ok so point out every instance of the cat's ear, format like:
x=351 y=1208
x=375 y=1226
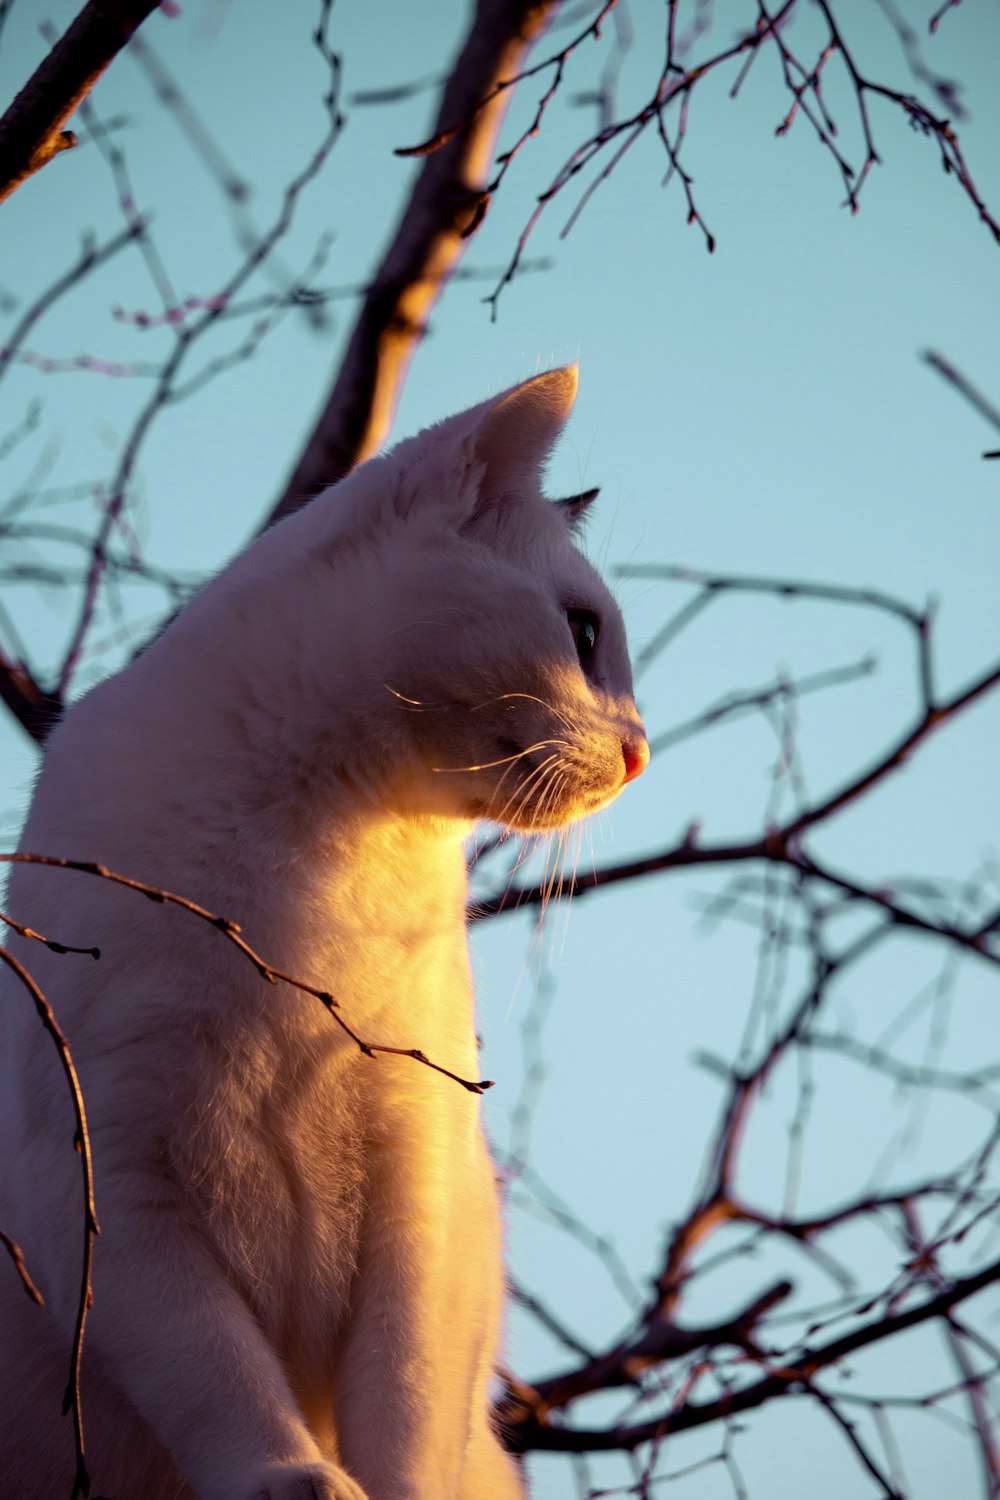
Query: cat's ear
x=574 y=508
x=466 y=467
x=516 y=432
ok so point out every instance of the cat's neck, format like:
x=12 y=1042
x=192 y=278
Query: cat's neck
x=376 y=904
x=326 y=883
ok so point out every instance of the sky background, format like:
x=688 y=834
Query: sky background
x=761 y=410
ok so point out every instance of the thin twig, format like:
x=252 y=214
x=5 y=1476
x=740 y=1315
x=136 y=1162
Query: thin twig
x=232 y=931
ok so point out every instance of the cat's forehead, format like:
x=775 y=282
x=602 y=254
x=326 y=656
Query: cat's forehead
x=524 y=527
x=535 y=535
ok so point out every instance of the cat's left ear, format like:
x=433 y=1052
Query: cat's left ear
x=517 y=431
x=574 y=508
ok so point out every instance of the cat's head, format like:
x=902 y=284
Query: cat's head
x=499 y=653
x=427 y=636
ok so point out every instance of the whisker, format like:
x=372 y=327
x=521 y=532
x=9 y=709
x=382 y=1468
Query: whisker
x=544 y=886
x=504 y=759
x=571 y=882
x=528 y=844
x=551 y=873
x=430 y=619
x=416 y=703
x=548 y=796
x=560 y=843
x=530 y=698
x=536 y=775
x=559 y=868
x=554 y=784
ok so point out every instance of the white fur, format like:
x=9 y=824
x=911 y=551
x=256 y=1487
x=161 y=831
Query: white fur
x=298 y=1285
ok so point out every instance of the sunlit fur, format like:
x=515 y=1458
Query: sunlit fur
x=298 y=1286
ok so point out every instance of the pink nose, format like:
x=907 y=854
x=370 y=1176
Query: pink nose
x=636 y=756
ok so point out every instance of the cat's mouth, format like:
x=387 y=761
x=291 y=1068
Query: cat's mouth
x=544 y=788
x=546 y=772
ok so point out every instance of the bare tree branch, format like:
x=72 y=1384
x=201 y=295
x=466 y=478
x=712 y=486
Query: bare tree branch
x=430 y=237
x=91 y=1228
x=526 y=1431
x=965 y=388
x=35 y=709
x=31 y=131
x=693 y=1352
x=232 y=931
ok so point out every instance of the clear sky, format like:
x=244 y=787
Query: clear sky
x=762 y=410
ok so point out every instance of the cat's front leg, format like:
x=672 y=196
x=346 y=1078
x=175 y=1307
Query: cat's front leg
x=173 y=1335
x=490 y=1473
x=303 y=1482
x=410 y=1397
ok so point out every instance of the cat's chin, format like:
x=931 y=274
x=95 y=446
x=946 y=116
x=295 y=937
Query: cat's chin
x=548 y=818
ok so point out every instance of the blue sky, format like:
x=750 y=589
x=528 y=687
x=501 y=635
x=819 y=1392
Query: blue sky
x=761 y=410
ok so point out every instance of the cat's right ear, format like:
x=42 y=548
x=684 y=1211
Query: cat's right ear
x=463 y=467
x=517 y=430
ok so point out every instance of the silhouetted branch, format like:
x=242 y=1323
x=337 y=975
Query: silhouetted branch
x=528 y=1430
x=31 y=131
x=231 y=930
x=966 y=389
x=91 y=256
x=91 y=1228
x=675 y=85
x=14 y=1251
x=672 y=1368
x=38 y=708
x=941 y=11
x=35 y=709
x=427 y=243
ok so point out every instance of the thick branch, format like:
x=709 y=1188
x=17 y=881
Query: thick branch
x=31 y=131
x=33 y=708
x=429 y=240
x=656 y=1341
x=524 y=1433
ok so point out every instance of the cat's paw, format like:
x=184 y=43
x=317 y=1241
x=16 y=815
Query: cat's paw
x=303 y=1482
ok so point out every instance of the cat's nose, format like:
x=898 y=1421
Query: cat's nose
x=635 y=753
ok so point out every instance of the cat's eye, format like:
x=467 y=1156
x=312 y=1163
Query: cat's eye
x=583 y=629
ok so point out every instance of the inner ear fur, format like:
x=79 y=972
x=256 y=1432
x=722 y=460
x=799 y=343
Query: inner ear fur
x=519 y=429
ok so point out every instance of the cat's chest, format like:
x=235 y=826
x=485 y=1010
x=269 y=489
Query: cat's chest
x=292 y=1149
x=269 y=1158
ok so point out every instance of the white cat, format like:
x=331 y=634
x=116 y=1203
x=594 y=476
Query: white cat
x=298 y=1284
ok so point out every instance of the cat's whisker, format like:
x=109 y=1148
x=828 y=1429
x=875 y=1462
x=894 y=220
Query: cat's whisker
x=521 y=795
x=559 y=865
x=537 y=775
x=580 y=828
x=562 y=855
x=555 y=780
x=526 y=847
x=556 y=879
x=548 y=882
x=431 y=618
x=529 y=845
x=530 y=698
x=551 y=871
x=543 y=887
x=547 y=797
x=486 y=765
x=415 y=703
